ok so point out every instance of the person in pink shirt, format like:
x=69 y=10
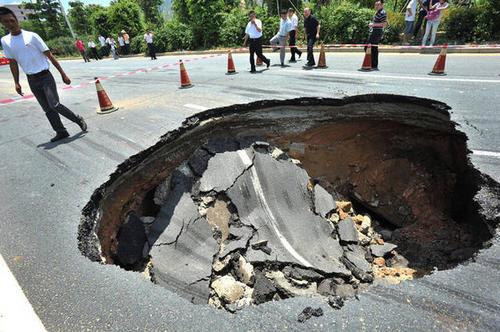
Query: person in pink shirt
x=81 y=49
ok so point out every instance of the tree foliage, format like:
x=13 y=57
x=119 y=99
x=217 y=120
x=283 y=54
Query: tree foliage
x=47 y=18
x=151 y=9
x=79 y=17
x=126 y=15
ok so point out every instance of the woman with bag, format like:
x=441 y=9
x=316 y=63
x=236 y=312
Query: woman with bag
x=433 y=19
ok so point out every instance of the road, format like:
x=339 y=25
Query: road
x=43 y=188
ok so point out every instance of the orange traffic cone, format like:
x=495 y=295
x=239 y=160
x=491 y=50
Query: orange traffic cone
x=230 y=65
x=322 y=58
x=259 y=62
x=367 y=62
x=185 y=82
x=105 y=104
x=438 y=68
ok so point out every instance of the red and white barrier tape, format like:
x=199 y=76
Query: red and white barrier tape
x=393 y=47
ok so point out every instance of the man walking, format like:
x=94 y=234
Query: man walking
x=121 y=43
x=93 y=49
x=312 y=28
x=81 y=49
x=148 y=37
x=29 y=51
x=103 y=43
x=377 y=31
x=294 y=20
x=253 y=34
x=282 y=35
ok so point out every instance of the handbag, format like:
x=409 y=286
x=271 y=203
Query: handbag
x=432 y=15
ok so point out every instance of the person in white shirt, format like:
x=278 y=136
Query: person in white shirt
x=28 y=50
x=93 y=50
x=121 y=42
x=411 y=10
x=293 y=35
x=148 y=37
x=282 y=35
x=253 y=33
x=433 y=19
x=104 y=45
x=112 y=46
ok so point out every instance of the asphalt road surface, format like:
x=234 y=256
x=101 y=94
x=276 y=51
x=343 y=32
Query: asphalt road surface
x=43 y=187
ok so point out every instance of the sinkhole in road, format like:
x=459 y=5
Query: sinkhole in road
x=307 y=197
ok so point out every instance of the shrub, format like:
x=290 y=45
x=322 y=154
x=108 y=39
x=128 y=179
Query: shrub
x=178 y=36
x=233 y=26
x=62 y=46
x=345 y=23
x=459 y=24
x=138 y=45
x=396 y=25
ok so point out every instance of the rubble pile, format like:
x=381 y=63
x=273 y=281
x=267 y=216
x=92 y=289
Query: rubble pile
x=242 y=223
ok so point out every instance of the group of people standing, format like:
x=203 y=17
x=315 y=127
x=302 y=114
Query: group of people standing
x=116 y=48
x=430 y=11
x=287 y=31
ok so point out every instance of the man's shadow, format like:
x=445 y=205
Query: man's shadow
x=50 y=145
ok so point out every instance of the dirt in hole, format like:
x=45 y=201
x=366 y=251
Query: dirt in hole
x=323 y=210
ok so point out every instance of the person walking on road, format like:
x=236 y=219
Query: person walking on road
x=93 y=50
x=28 y=50
x=294 y=20
x=377 y=31
x=311 y=29
x=148 y=37
x=411 y=11
x=126 y=39
x=433 y=20
x=253 y=35
x=81 y=49
x=281 y=36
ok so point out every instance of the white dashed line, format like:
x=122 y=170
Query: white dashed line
x=486 y=153
x=196 y=107
x=397 y=77
x=16 y=313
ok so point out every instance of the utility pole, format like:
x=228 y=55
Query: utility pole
x=66 y=19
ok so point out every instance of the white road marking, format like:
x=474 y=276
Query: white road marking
x=16 y=313
x=398 y=77
x=272 y=220
x=486 y=153
x=196 y=107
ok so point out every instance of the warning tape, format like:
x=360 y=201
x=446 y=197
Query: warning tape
x=392 y=47
x=17 y=99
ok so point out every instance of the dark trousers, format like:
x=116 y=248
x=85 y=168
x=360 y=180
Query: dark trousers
x=45 y=91
x=256 y=49
x=418 y=25
x=84 y=56
x=152 y=51
x=94 y=53
x=310 y=47
x=293 y=50
x=374 y=39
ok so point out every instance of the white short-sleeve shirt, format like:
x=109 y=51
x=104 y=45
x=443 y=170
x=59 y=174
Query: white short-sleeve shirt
x=121 y=42
x=27 y=49
x=295 y=22
x=412 y=5
x=252 y=31
x=148 y=37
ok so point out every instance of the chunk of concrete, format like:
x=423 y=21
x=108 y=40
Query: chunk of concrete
x=224 y=168
x=199 y=161
x=323 y=201
x=218 y=217
x=239 y=240
x=228 y=289
x=263 y=289
x=382 y=250
x=347 y=231
x=272 y=196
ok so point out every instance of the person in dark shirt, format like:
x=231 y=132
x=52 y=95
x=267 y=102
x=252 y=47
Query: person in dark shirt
x=424 y=7
x=377 y=31
x=311 y=27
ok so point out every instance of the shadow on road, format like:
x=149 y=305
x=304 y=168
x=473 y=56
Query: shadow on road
x=50 y=145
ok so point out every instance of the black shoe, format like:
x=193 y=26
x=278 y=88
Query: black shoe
x=59 y=136
x=253 y=71
x=292 y=61
x=268 y=63
x=81 y=122
x=300 y=54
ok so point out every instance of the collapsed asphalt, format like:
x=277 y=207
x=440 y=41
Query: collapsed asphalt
x=69 y=292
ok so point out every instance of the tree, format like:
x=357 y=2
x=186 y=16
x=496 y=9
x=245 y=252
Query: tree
x=126 y=15
x=100 y=21
x=151 y=9
x=47 y=18
x=79 y=17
